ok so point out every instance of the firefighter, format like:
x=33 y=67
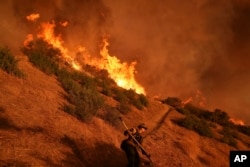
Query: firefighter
x=131 y=147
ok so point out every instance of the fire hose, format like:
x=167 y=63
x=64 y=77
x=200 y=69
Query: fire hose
x=137 y=142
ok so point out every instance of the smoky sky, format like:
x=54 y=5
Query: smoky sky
x=185 y=46
x=180 y=46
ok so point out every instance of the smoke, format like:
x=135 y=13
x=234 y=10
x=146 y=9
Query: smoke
x=185 y=46
x=180 y=46
x=11 y=31
x=87 y=20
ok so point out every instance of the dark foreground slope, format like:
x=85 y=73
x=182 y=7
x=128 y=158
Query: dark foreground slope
x=34 y=130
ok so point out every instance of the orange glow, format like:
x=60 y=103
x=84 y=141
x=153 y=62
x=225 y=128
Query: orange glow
x=28 y=39
x=187 y=101
x=33 y=17
x=201 y=99
x=64 y=23
x=197 y=99
x=237 y=121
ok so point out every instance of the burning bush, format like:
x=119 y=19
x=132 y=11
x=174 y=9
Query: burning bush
x=8 y=63
x=109 y=88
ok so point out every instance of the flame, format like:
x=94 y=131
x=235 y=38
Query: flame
x=201 y=99
x=187 y=101
x=197 y=99
x=64 y=23
x=28 y=39
x=33 y=16
x=48 y=35
x=122 y=73
x=237 y=121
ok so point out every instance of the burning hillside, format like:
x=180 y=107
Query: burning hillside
x=121 y=72
x=179 y=48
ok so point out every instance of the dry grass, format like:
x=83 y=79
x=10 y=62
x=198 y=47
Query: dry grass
x=34 y=131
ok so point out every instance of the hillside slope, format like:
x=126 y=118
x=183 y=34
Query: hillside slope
x=34 y=131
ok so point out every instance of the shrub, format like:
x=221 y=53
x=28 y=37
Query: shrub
x=81 y=90
x=86 y=100
x=123 y=107
x=9 y=64
x=130 y=97
x=106 y=90
x=111 y=115
x=67 y=81
x=244 y=129
x=199 y=112
x=84 y=80
x=143 y=100
x=69 y=108
x=130 y=94
x=182 y=110
x=221 y=117
x=84 y=104
x=229 y=136
x=120 y=96
x=43 y=56
x=172 y=101
x=198 y=125
x=137 y=104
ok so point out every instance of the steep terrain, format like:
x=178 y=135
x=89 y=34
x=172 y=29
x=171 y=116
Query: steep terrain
x=34 y=130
